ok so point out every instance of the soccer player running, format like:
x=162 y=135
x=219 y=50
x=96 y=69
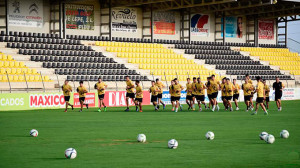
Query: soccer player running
x=177 y=88
x=200 y=93
x=247 y=89
x=215 y=88
x=194 y=92
x=172 y=93
x=101 y=86
x=138 y=96
x=236 y=94
x=252 y=92
x=223 y=93
x=154 y=92
x=160 y=86
x=229 y=92
x=81 y=90
x=278 y=87
x=208 y=88
x=189 y=90
x=267 y=93
x=129 y=91
x=67 y=89
x=260 y=96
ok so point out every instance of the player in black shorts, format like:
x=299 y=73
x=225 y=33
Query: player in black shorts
x=154 y=92
x=278 y=87
x=189 y=97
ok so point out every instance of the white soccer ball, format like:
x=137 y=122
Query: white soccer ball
x=284 y=134
x=270 y=139
x=172 y=144
x=210 y=135
x=34 y=133
x=141 y=138
x=263 y=135
x=70 y=153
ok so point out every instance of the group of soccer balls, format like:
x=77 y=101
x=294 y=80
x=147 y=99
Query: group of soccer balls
x=269 y=138
x=71 y=153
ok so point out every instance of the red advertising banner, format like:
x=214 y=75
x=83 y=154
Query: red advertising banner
x=46 y=100
x=118 y=98
x=89 y=99
x=266 y=29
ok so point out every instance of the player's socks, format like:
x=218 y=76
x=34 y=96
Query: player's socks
x=266 y=113
x=237 y=108
x=205 y=106
x=136 y=108
x=213 y=108
x=180 y=107
x=200 y=109
x=231 y=109
x=87 y=106
x=176 y=109
x=218 y=108
x=80 y=110
x=157 y=106
x=72 y=107
x=164 y=105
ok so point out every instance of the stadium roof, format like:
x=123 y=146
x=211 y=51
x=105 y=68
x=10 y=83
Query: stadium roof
x=251 y=8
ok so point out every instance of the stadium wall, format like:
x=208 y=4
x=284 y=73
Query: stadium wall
x=30 y=101
x=99 y=18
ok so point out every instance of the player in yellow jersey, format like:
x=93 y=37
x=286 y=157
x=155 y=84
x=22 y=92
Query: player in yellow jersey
x=81 y=90
x=208 y=88
x=129 y=91
x=236 y=94
x=100 y=87
x=160 y=86
x=194 y=92
x=200 y=93
x=215 y=89
x=189 y=97
x=229 y=92
x=154 y=90
x=260 y=90
x=67 y=89
x=247 y=89
x=172 y=93
x=267 y=93
x=138 y=96
x=177 y=88
x=223 y=93
x=252 y=92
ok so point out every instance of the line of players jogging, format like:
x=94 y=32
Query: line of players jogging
x=195 y=93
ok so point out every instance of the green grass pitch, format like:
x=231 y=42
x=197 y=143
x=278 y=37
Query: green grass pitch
x=108 y=139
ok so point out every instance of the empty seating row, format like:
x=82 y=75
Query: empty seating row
x=232 y=62
x=49 y=46
x=83 y=65
x=39 y=40
x=252 y=72
x=267 y=77
x=222 y=57
x=272 y=46
x=29 y=34
x=14 y=71
x=26 y=78
x=106 y=78
x=243 y=67
x=12 y=64
x=128 y=45
x=61 y=52
x=204 y=47
x=216 y=52
x=150 y=55
x=95 y=72
x=71 y=59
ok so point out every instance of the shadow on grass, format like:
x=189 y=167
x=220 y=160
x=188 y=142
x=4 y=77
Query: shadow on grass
x=60 y=158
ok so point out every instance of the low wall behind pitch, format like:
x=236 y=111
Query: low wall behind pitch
x=30 y=101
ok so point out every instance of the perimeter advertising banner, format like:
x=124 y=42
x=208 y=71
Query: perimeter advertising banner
x=25 y=13
x=29 y=101
x=79 y=17
x=124 y=20
x=200 y=25
x=164 y=23
x=266 y=29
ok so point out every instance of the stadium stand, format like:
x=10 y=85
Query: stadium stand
x=283 y=58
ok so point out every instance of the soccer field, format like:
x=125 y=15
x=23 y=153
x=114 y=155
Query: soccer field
x=108 y=139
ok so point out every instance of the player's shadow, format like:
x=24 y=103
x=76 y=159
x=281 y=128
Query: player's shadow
x=58 y=158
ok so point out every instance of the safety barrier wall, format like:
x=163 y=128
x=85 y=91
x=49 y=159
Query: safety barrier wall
x=28 y=101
